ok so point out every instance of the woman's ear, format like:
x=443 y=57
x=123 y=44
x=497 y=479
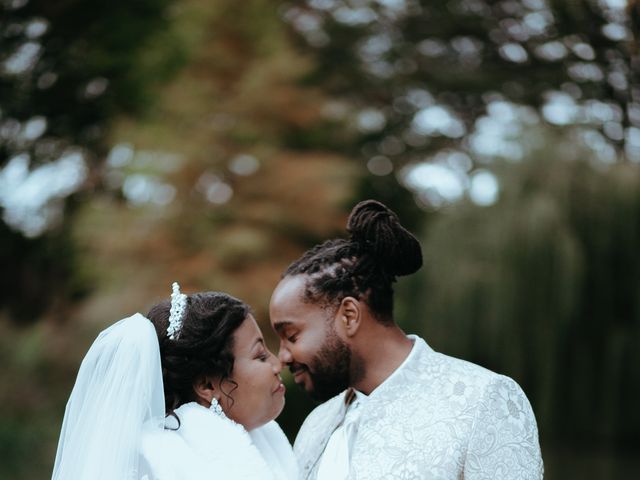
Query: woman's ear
x=204 y=389
x=349 y=316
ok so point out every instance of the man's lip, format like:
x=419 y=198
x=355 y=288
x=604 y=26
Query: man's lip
x=297 y=375
x=295 y=370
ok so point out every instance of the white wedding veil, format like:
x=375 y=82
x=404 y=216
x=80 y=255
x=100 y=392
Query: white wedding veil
x=117 y=396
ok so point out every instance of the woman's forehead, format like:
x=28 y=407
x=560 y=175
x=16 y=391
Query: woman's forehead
x=247 y=334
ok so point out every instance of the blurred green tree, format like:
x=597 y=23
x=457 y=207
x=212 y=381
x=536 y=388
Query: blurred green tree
x=544 y=286
x=67 y=69
x=419 y=73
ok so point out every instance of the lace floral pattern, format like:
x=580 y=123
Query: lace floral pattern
x=436 y=417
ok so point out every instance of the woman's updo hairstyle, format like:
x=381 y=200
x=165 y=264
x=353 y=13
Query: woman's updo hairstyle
x=203 y=346
x=364 y=266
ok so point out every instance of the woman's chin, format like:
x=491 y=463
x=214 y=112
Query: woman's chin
x=275 y=413
x=279 y=409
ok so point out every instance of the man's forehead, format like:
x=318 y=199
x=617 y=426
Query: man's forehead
x=282 y=325
x=289 y=293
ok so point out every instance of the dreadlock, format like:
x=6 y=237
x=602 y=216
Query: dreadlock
x=363 y=266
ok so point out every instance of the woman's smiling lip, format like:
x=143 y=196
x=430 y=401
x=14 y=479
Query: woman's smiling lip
x=280 y=388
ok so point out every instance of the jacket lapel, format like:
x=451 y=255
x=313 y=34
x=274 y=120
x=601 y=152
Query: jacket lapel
x=334 y=417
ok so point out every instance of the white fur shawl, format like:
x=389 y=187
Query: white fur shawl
x=209 y=447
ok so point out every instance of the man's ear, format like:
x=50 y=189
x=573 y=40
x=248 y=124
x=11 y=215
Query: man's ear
x=349 y=316
x=204 y=389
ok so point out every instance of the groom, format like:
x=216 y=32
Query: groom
x=393 y=407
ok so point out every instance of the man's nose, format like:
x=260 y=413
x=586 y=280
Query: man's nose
x=284 y=355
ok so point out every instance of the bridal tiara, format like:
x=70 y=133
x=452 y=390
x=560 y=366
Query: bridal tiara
x=176 y=314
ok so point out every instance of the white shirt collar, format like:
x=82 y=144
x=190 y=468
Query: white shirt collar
x=409 y=358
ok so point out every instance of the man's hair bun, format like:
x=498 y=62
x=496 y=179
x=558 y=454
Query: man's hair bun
x=378 y=232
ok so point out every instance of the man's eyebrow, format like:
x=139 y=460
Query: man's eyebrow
x=279 y=326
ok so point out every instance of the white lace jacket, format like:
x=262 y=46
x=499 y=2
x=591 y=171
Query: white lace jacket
x=209 y=447
x=436 y=417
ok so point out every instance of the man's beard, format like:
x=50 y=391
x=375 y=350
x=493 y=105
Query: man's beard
x=331 y=369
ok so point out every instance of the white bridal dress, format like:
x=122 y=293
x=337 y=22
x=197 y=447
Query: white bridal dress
x=114 y=425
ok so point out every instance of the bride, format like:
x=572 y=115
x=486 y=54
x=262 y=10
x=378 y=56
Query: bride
x=190 y=392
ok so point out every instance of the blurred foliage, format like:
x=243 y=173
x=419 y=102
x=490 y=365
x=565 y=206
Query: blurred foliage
x=67 y=70
x=418 y=74
x=91 y=61
x=35 y=272
x=36 y=381
x=544 y=286
x=219 y=173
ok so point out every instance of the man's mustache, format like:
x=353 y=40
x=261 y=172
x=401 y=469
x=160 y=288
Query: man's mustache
x=296 y=367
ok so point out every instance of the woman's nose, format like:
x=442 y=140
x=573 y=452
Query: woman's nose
x=277 y=365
